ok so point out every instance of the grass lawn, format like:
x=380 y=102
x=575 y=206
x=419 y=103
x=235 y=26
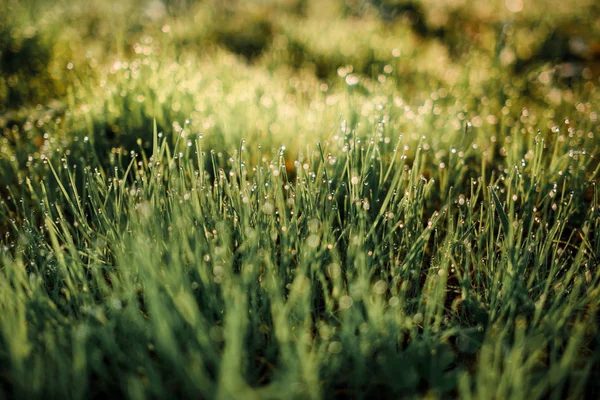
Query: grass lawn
x=299 y=199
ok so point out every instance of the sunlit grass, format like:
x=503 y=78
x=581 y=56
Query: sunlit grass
x=213 y=274
x=297 y=200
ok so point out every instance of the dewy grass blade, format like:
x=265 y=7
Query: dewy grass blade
x=501 y=213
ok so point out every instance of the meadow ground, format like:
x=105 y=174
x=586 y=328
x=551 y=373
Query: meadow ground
x=285 y=199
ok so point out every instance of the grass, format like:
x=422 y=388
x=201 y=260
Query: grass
x=267 y=200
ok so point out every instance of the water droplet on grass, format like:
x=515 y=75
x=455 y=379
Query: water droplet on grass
x=346 y=302
x=418 y=318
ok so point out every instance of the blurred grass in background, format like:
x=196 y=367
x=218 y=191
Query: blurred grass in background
x=205 y=61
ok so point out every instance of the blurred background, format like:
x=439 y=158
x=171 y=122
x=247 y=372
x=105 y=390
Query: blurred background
x=102 y=71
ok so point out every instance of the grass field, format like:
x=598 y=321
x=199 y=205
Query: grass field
x=299 y=199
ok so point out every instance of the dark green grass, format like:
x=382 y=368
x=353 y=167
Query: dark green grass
x=358 y=278
x=350 y=207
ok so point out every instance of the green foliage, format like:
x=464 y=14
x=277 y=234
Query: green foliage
x=24 y=58
x=298 y=199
